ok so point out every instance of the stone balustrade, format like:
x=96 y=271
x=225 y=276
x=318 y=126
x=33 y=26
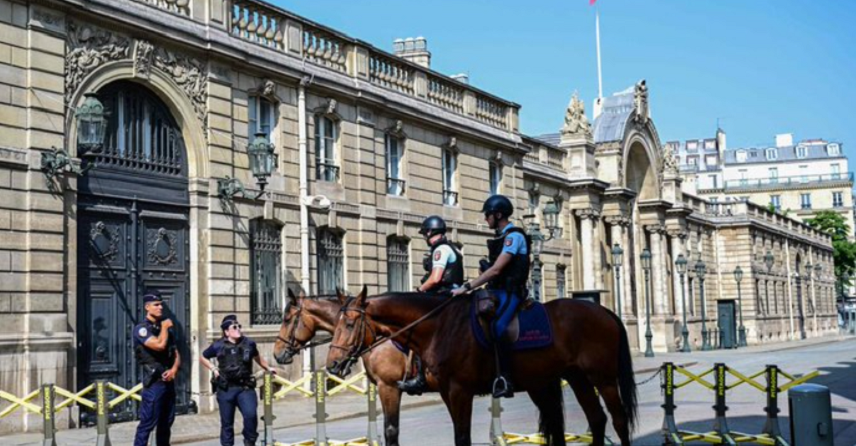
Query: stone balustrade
x=391 y=72
x=178 y=7
x=445 y=94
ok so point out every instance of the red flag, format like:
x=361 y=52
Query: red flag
x=592 y=2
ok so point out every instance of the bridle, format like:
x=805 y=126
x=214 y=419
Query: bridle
x=292 y=345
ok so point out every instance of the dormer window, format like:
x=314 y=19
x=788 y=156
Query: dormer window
x=802 y=151
x=741 y=156
x=772 y=154
x=692 y=145
x=833 y=150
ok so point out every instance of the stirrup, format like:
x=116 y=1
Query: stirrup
x=413 y=387
x=502 y=388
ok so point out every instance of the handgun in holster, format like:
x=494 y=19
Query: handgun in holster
x=151 y=374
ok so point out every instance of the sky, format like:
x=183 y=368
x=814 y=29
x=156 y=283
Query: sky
x=758 y=67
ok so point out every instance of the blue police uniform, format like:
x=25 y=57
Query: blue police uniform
x=236 y=387
x=510 y=287
x=157 y=408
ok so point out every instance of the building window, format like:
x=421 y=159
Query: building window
x=534 y=201
x=327 y=166
x=802 y=151
x=450 y=190
x=772 y=154
x=774 y=174
x=743 y=180
x=330 y=261
x=741 y=156
x=836 y=171
x=265 y=278
x=560 y=282
x=495 y=178
x=710 y=144
x=394 y=177
x=833 y=150
x=804 y=174
x=711 y=160
x=713 y=183
x=837 y=199
x=692 y=160
x=805 y=201
x=397 y=264
x=776 y=202
x=261 y=118
x=692 y=145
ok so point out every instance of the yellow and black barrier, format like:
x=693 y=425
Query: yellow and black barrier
x=721 y=433
x=320 y=392
x=49 y=407
x=498 y=436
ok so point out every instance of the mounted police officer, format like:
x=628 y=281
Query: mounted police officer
x=444 y=271
x=159 y=359
x=506 y=274
x=233 y=380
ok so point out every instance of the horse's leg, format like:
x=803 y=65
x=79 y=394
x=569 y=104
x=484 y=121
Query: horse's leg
x=610 y=395
x=584 y=391
x=390 y=400
x=551 y=413
x=459 y=401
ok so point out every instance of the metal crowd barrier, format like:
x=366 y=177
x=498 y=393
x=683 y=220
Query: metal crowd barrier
x=498 y=436
x=721 y=433
x=320 y=393
x=49 y=407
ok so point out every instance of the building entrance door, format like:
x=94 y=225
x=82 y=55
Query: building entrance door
x=727 y=323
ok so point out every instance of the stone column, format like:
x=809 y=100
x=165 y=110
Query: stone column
x=587 y=219
x=631 y=258
x=678 y=241
x=657 y=273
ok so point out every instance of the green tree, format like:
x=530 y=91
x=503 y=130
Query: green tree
x=844 y=251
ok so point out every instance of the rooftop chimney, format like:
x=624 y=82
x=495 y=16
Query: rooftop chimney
x=784 y=140
x=462 y=77
x=414 y=50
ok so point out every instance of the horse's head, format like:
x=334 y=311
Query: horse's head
x=353 y=333
x=294 y=332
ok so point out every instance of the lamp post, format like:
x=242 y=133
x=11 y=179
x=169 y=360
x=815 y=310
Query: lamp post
x=681 y=265
x=701 y=270
x=646 y=266
x=818 y=275
x=617 y=252
x=262 y=162
x=741 y=332
x=533 y=230
x=91 y=119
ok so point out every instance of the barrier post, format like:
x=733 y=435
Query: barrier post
x=771 y=426
x=48 y=398
x=267 y=403
x=720 y=388
x=372 y=436
x=101 y=414
x=320 y=408
x=671 y=435
x=497 y=435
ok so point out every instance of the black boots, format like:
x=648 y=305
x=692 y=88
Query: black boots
x=417 y=384
x=502 y=387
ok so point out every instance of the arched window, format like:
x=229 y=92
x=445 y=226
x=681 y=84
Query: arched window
x=331 y=261
x=397 y=264
x=265 y=277
x=326 y=153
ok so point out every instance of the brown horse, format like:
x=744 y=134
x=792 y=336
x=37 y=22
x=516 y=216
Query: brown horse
x=384 y=365
x=590 y=350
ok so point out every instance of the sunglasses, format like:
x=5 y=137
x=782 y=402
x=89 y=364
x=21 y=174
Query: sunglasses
x=236 y=327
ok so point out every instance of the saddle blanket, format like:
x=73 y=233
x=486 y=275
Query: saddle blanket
x=535 y=330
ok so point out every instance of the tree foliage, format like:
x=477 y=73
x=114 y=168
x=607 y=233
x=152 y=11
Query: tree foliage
x=844 y=254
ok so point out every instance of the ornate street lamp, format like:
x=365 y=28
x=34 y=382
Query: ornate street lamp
x=681 y=265
x=741 y=336
x=551 y=220
x=91 y=127
x=646 y=266
x=701 y=270
x=617 y=252
x=534 y=233
x=262 y=163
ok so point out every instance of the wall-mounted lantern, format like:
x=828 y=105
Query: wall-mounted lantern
x=262 y=162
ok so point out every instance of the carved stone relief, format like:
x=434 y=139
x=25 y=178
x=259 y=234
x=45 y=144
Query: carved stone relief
x=88 y=48
x=576 y=122
x=143 y=58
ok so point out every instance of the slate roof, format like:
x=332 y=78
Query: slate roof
x=611 y=123
x=816 y=150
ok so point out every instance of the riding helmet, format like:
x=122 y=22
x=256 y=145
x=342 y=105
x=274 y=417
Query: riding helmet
x=498 y=204
x=432 y=226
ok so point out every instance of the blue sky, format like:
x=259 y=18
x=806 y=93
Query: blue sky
x=762 y=66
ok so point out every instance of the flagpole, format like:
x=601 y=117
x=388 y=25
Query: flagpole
x=599 y=72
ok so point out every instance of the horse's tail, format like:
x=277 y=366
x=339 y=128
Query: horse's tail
x=626 y=377
x=551 y=421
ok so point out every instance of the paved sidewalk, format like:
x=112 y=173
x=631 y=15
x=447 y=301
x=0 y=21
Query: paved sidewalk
x=294 y=411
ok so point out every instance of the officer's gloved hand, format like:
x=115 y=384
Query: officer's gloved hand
x=484 y=265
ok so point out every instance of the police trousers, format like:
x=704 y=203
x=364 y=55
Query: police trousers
x=245 y=400
x=508 y=303
x=157 y=410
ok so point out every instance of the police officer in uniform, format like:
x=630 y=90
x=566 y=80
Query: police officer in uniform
x=444 y=271
x=234 y=381
x=506 y=274
x=159 y=359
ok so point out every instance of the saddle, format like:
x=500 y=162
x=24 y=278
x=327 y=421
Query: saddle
x=530 y=328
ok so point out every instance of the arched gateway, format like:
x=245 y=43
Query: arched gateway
x=132 y=237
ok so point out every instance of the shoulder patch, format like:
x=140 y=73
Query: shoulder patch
x=143 y=332
x=437 y=255
x=508 y=241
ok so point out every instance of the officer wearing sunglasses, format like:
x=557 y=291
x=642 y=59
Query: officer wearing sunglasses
x=233 y=380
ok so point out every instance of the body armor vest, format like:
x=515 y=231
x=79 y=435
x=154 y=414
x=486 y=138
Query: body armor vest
x=235 y=362
x=453 y=275
x=516 y=275
x=154 y=363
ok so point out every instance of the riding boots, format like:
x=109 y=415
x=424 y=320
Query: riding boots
x=502 y=387
x=417 y=384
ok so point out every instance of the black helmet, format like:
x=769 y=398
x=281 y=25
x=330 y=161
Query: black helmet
x=432 y=226
x=498 y=204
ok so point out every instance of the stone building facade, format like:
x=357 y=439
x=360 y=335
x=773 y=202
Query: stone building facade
x=368 y=144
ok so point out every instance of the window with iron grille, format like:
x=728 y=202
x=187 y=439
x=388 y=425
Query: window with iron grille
x=560 y=281
x=265 y=277
x=326 y=161
x=397 y=264
x=330 y=261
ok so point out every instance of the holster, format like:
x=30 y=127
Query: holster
x=218 y=383
x=151 y=374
